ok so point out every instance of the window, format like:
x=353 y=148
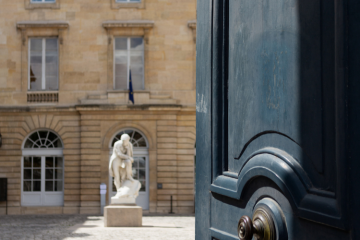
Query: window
x=140 y=166
x=42 y=170
x=129 y=55
x=43 y=64
x=42 y=1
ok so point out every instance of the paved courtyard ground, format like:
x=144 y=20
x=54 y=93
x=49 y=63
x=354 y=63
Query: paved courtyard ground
x=71 y=227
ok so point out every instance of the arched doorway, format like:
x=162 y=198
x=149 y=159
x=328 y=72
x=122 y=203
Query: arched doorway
x=42 y=170
x=140 y=165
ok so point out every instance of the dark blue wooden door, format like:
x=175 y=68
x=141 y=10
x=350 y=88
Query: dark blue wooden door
x=276 y=119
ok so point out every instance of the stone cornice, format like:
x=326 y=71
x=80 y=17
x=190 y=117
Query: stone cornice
x=128 y=24
x=42 y=24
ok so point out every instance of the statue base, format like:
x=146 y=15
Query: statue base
x=122 y=216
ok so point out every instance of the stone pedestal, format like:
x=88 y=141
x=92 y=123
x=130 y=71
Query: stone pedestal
x=122 y=216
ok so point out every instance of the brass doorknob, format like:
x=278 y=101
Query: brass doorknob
x=261 y=226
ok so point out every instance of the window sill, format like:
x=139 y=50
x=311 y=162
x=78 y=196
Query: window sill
x=117 y=5
x=30 y=5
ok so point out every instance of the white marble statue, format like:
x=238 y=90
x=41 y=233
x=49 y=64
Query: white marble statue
x=120 y=168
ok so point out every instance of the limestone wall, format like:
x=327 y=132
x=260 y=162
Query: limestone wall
x=84 y=52
x=87 y=133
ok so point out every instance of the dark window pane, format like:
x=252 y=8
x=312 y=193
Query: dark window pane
x=137 y=73
x=27 y=161
x=51 y=45
x=128 y=132
x=34 y=136
x=135 y=174
x=28 y=144
x=58 y=186
x=121 y=76
x=136 y=44
x=120 y=43
x=49 y=174
x=135 y=163
x=27 y=173
x=143 y=186
x=38 y=143
x=35 y=72
x=36 y=162
x=49 y=186
x=27 y=186
x=49 y=162
x=59 y=174
x=134 y=143
x=36 y=186
x=51 y=71
x=141 y=162
x=141 y=173
x=137 y=136
x=52 y=136
x=142 y=142
x=36 y=44
x=58 y=162
x=113 y=142
x=43 y=134
x=36 y=173
x=57 y=143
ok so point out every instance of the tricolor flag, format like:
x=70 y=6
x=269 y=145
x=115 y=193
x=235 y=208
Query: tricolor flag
x=131 y=92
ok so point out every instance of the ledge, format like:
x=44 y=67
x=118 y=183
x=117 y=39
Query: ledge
x=128 y=24
x=41 y=5
x=117 y=5
x=42 y=24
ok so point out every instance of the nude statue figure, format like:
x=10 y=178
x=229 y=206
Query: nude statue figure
x=121 y=160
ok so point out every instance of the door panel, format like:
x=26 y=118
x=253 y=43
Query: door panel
x=271 y=118
x=42 y=170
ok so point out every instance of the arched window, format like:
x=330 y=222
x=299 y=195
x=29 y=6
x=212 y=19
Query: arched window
x=42 y=170
x=140 y=165
x=43 y=139
x=136 y=138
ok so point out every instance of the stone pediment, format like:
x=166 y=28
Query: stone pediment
x=42 y=24
x=128 y=24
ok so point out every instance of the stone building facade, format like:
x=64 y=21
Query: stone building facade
x=64 y=79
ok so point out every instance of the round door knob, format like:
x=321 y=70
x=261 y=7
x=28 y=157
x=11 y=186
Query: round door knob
x=245 y=228
x=261 y=226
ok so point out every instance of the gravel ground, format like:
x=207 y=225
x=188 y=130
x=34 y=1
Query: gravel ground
x=71 y=227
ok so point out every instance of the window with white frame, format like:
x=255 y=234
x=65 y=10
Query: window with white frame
x=42 y=170
x=43 y=1
x=43 y=64
x=129 y=55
